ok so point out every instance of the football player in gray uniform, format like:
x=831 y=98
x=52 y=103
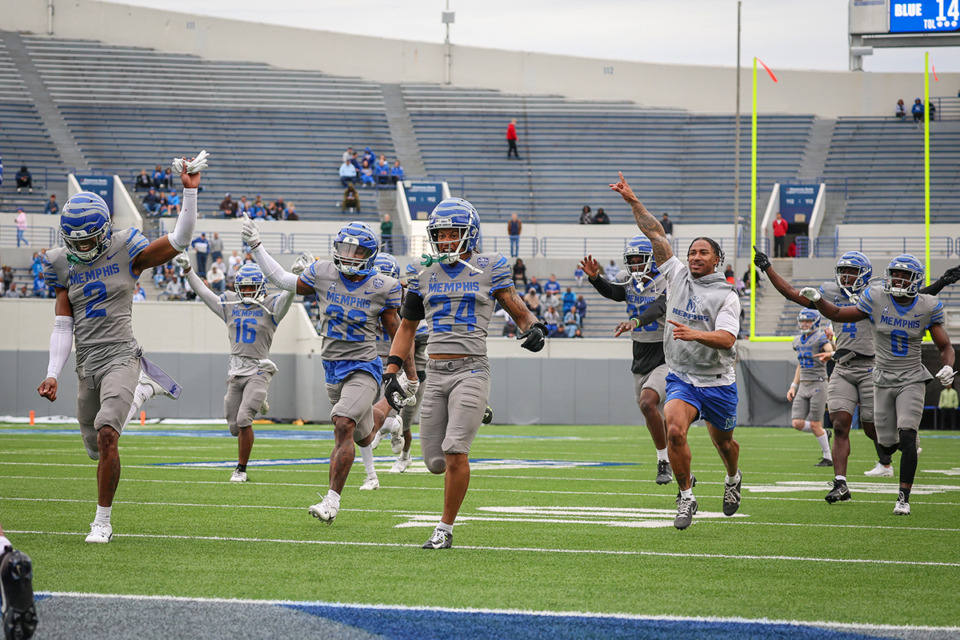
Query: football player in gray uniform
x=852 y=381
x=703 y=320
x=645 y=295
x=808 y=391
x=455 y=293
x=252 y=318
x=353 y=297
x=94 y=274
x=901 y=315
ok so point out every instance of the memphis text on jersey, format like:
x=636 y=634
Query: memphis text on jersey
x=111 y=269
x=352 y=301
x=450 y=287
x=903 y=323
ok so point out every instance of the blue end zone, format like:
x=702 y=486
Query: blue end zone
x=412 y=624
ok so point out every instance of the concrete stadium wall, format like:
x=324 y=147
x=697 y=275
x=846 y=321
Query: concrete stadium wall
x=697 y=88
x=569 y=382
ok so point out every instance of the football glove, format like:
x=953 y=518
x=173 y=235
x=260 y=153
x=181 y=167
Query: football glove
x=250 y=232
x=196 y=165
x=534 y=338
x=305 y=260
x=410 y=387
x=951 y=275
x=393 y=391
x=945 y=375
x=810 y=294
x=761 y=259
x=182 y=260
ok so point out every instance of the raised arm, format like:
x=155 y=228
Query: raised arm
x=274 y=273
x=609 y=290
x=832 y=311
x=949 y=277
x=779 y=282
x=165 y=248
x=209 y=298
x=649 y=225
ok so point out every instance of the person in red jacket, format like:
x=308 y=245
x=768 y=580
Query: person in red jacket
x=779 y=234
x=512 y=139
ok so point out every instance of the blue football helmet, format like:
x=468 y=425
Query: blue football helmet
x=387 y=265
x=355 y=248
x=908 y=287
x=250 y=284
x=808 y=315
x=454 y=213
x=861 y=279
x=638 y=258
x=85 y=226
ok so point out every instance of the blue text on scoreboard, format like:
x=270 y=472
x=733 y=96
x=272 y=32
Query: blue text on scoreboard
x=924 y=16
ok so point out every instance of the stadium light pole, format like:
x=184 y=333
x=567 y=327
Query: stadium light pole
x=448 y=18
x=926 y=164
x=736 y=162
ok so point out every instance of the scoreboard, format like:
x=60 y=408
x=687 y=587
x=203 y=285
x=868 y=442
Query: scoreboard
x=924 y=16
x=901 y=23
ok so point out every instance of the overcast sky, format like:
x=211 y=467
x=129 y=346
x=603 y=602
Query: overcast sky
x=786 y=34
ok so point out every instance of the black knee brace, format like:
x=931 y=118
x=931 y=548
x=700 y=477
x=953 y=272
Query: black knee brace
x=908 y=455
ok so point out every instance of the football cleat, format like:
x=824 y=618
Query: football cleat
x=100 y=533
x=880 y=471
x=685 y=512
x=664 y=472
x=839 y=493
x=439 y=540
x=902 y=508
x=824 y=462
x=487 y=416
x=157 y=389
x=401 y=463
x=370 y=484
x=238 y=476
x=731 y=496
x=264 y=408
x=396 y=437
x=324 y=511
x=693 y=483
x=16 y=596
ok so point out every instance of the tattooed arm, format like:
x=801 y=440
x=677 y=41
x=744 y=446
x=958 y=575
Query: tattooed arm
x=649 y=225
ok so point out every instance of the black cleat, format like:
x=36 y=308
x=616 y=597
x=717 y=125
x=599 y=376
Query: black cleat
x=693 y=483
x=839 y=493
x=439 y=540
x=685 y=512
x=664 y=472
x=731 y=496
x=16 y=596
x=824 y=462
x=487 y=416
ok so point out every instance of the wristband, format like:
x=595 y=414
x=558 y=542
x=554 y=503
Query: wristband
x=636 y=322
x=397 y=360
x=793 y=385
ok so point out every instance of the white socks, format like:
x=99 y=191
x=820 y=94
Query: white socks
x=103 y=515
x=366 y=454
x=142 y=393
x=732 y=480
x=662 y=455
x=390 y=424
x=443 y=526
x=404 y=455
x=334 y=498
x=686 y=494
x=825 y=445
x=842 y=478
x=5 y=545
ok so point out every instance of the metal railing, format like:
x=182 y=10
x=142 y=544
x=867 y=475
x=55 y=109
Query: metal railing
x=916 y=245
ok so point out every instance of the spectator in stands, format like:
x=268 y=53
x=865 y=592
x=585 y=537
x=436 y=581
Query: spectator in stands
x=586 y=216
x=514 y=227
x=581 y=309
x=291 y=212
x=552 y=286
x=512 y=139
x=386 y=233
x=779 y=236
x=356 y=161
x=611 y=271
x=369 y=157
x=39 y=286
x=139 y=295
x=519 y=274
x=578 y=275
x=216 y=247
x=933 y=110
x=228 y=207
x=601 y=217
x=396 y=172
x=667 y=225
x=552 y=319
x=13 y=292
x=281 y=208
x=351 y=199
x=53 y=207
x=917 y=110
x=948 y=408
x=382 y=170
x=536 y=286
x=24 y=179
x=243 y=207
x=792 y=249
x=901 y=110
x=21 y=227
x=532 y=300
x=173 y=204
x=233 y=265
x=36 y=265
x=258 y=209
x=571 y=322
x=348 y=154
x=157 y=177
x=202 y=246
x=151 y=202
x=729 y=275
x=569 y=300
x=7 y=278
x=217 y=276
x=366 y=174
x=272 y=213
x=144 y=181
x=174 y=289
x=167 y=181
x=348 y=174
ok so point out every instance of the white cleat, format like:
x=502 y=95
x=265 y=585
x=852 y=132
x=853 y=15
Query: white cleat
x=238 y=476
x=901 y=508
x=324 y=511
x=396 y=437
x=401 y=463
x=264 y=408
x=370 y=484
x=100 y=533
x=157 y=389
x=880 y=471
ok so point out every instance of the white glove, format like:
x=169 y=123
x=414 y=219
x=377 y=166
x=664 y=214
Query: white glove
x=196 y=165
x=250 y=232
x=945 y=375
x=183 y=261
x=810 y=294
x=411 y=387
x=305 y=260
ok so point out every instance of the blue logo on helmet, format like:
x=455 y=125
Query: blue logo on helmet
x=85 y=226
x=453 y=213
x=853 y=272
x=808 y=315
x=250 y=284
x=355 y=248
x=638 y=258
x=387 y=265
x=904 y=285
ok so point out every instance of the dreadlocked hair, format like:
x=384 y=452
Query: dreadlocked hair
x=714 y=245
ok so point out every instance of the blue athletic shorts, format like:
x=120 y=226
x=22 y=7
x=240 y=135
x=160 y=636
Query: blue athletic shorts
x=717 y=405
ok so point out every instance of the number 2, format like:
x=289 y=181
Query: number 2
x=99 y=289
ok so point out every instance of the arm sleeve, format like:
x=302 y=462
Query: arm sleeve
x=282 y=305
x=209 y=298
x=186 y=221
x=935 y=288
x=276 y=274
x=61 y=342
x=654 y=311
x=608 y=289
